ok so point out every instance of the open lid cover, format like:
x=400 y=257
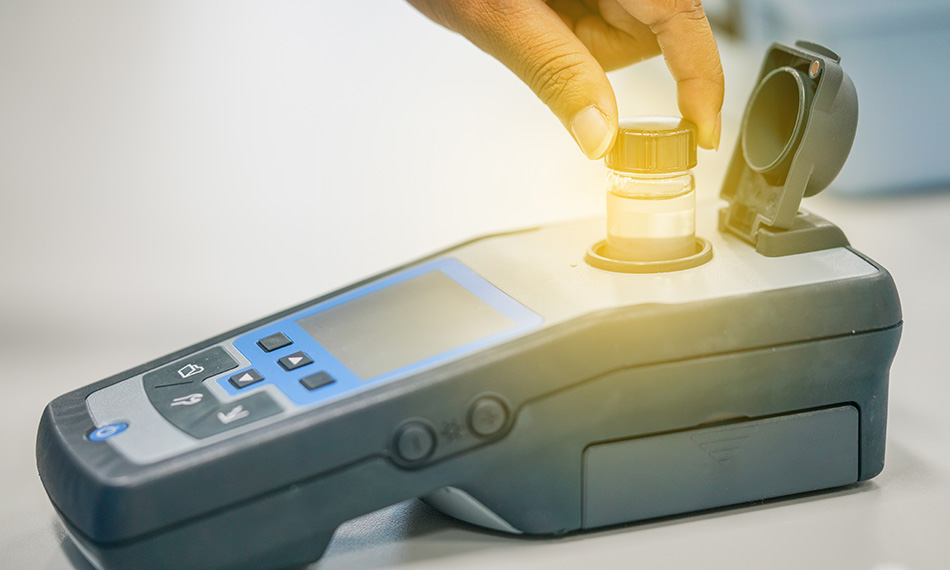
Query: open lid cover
x=796 y=134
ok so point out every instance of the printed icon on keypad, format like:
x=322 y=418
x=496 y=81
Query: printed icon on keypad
x=190 y=370
x=189 y=400
x=236 y=413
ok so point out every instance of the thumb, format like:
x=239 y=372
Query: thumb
x=532 y=40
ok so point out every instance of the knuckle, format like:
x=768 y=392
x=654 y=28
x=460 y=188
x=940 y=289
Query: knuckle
x=552 y=75
x=489 y=13
x=679 y=10
x=547 y=63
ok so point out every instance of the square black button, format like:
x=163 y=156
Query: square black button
x=274 y=341
x=246 y=378
x=294 y=361
x=318 y=380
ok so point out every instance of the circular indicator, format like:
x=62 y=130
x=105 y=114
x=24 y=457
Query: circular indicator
x=415 y=441
x=105 y=432
x=487 y=416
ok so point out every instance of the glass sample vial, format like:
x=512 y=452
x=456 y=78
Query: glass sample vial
x=651 y=197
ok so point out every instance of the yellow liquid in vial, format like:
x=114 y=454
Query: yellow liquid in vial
x=651 y=222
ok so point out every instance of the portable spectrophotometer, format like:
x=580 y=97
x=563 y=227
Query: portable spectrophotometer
x=521 y=381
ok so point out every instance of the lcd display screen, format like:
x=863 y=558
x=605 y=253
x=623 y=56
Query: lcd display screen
x=403 y=323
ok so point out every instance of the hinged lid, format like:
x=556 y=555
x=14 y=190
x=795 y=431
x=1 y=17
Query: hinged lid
x=796 y=134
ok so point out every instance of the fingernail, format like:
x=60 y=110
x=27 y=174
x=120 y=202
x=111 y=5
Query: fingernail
x=717 y=133
x=592 y=131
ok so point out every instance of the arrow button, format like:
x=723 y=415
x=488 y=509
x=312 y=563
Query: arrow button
x=246 y=378
x=294 y=361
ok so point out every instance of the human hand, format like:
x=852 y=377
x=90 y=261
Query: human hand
x=561 y=49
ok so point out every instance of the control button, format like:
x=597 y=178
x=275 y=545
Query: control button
x=415 y=441
x=233 y=414
x=189 y=400
x=274 y=341
x=318 y=380
x=193 y=369
x=189 y=370
x=105 y=432
x=294 y=361
x=487 y=416
x=182 y=404
x=246 y=378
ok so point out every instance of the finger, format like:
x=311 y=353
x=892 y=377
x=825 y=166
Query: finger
x=530 y=38
x=689 y=47
x=570 y=11
x=615 y=48
x=432 y=11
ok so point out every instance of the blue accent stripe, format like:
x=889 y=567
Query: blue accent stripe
x=346 y=381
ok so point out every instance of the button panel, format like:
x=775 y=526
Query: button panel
x=233 y=383
x=282 y=349
x=178 y=392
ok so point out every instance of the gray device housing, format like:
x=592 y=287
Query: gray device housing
x=749 y=377
x=586 y=397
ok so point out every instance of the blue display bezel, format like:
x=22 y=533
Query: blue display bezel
x=346 y=381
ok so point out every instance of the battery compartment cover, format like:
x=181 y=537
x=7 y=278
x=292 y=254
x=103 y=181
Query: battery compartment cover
x=693 y=470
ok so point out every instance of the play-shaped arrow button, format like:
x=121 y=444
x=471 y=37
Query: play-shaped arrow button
x=246 y=378
x=295 y=360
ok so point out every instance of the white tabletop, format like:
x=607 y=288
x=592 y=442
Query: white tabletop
x=173 y=170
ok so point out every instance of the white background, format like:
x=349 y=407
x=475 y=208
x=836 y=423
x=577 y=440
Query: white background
x=171 y=170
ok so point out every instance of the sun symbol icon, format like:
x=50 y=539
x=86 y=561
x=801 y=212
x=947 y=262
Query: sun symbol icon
x=451 y=430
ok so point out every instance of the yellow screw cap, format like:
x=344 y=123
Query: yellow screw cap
x=653 y=145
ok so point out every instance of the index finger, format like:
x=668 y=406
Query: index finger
x=689 y=47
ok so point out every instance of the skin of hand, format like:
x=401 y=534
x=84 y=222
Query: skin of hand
x=562 y=49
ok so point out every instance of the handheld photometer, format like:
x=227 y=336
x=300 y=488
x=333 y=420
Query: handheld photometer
x=527 y=382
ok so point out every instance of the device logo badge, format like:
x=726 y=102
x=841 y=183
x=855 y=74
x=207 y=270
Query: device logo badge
x=236 y=413
x=190 y=370
x=105 y=432
x=189 y=400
